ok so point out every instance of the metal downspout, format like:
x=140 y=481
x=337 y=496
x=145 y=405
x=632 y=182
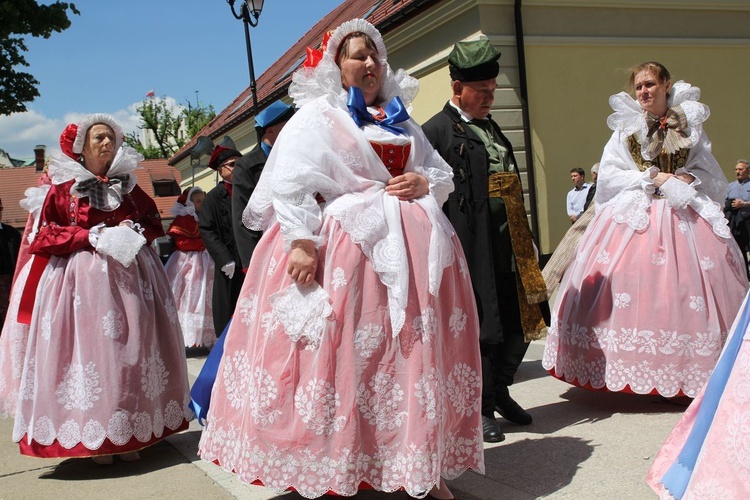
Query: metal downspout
x=520 y=50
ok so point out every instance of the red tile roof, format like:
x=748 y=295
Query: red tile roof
x=14 y=181
x=158 y=170
x=385 y=15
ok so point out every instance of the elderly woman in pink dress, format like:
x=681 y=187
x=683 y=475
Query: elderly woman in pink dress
x=104 y=370
x=351 y=359
x=658 y=279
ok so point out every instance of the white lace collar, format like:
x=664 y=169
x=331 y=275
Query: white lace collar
x=629 y=118
x=62 y=168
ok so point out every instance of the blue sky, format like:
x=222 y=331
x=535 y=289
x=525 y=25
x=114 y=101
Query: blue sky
x=115 y=52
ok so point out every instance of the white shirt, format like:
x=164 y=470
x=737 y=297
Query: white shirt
x=577 y=199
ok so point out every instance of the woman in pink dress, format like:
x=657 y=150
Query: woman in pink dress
x=351 y=359
x=191 y=271
x=104 y=371
x=647 y=303
x=707 y=455
x=15 y=333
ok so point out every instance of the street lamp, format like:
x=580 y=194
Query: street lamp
x=249 y=15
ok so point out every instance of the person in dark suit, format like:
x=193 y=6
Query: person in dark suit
x=488 y=213
x=10 y=242
x=737 y=207
x=215 y=222
x=247 y=170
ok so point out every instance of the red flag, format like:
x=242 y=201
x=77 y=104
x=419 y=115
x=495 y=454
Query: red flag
x=150 y=93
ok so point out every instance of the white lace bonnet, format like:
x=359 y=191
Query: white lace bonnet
x=325 y=78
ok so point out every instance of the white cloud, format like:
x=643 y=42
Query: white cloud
x=21 y=132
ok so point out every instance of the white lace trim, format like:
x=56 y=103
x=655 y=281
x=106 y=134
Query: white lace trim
x=120 y=429
x=33 y=204
x=302 y=312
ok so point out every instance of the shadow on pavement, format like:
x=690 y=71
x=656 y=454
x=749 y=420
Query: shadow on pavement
x=157 y=457
x=526 y=469
x=585 y=406
x=529 y=369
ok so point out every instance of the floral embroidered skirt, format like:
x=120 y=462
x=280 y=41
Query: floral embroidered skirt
x=191 y=275
x=646 y=312
x=359 y=405
x=104 y=371
x=720 y=417
x=13 y=341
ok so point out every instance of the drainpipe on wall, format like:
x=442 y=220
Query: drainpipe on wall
x=526 y=127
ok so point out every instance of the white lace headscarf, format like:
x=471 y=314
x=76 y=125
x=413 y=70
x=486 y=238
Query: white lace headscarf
x=325 y=79
x=189 y=207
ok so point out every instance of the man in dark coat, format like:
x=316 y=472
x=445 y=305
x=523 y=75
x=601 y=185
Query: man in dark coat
x=215 y=223
x=488 y=213
x=10 y=242
x=268 y=125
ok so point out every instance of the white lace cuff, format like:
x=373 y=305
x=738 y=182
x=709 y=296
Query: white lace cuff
x=134 y=226
x=647 y=181
x=301 y=233
x=678 y=193
x=94 y=234
x=303 y=312
x=121 y=243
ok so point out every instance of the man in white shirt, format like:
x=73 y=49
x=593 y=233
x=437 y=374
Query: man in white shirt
x=577 y=196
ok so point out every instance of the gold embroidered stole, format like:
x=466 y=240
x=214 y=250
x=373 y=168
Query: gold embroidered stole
x=530 y=285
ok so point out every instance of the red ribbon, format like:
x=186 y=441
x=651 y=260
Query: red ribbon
x=314 y=56
x=26 y=306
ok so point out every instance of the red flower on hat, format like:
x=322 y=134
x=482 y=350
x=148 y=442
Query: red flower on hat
x=67 y=138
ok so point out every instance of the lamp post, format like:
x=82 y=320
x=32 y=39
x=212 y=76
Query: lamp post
x=249 y=15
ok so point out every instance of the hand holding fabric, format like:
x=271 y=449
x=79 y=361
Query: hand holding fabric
x=408 y=186
x=228 y=269
x=120 y=242
x=303 y=262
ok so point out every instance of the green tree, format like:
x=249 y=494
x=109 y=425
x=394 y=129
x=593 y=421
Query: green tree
x=24 y=18
x=172 y=127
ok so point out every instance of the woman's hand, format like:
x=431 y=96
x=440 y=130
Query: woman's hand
x=303 y=262
x=661 y=178
x=685 y=177
x=408 y=186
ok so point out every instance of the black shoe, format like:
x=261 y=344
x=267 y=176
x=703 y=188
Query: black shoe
x=512 y=411
x=492 y=432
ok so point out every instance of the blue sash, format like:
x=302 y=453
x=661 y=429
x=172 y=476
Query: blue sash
x=200 y=393
x=676 y=479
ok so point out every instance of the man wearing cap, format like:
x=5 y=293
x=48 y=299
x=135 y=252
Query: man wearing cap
x=268 y=124
x=215 y=222
x=10 y=242
x=488 y=213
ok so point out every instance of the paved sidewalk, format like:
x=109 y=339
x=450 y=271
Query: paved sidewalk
x=582 y=445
